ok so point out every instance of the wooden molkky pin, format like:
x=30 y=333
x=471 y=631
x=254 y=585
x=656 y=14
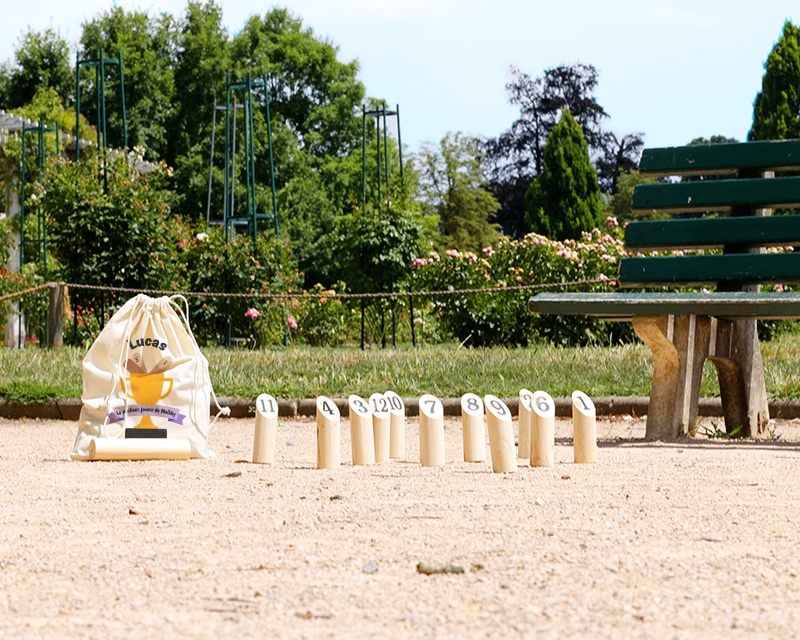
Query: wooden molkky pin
x=524 y=434
x=431 y=431
x=381 y=427
x=543 y=422
x=473 y=428
x=584 y=428
x=362 y=440
x=329 y=434
x=397 y=434
x=501 y=435
x=266 y=432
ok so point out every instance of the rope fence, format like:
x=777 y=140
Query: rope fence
x=310 y=296
x=59 y=302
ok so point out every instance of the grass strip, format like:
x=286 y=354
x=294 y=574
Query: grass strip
x=35 y=374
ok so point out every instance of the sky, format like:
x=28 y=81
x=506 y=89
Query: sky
x=673 y=70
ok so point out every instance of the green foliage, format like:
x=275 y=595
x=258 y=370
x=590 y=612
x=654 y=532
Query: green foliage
x=325 y=321
x=148 y=48
x=498 y=318
x=515 y=157
x=714 y=431
x=776 y=110
x=315 y=94
x=453 y=191
x=33 y=391
x=564 y=199
x=51 y=109
x=41 y=62
x=113 y=235
x=378 y=249
x=209 y=263
x=9 y=283
x=619 y=204
x=202 y=60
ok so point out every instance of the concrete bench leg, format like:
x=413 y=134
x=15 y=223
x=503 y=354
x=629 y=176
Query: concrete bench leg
x=736 y=354
x=680 y=346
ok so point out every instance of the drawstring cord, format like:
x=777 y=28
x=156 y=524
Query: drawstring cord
x=184 y=316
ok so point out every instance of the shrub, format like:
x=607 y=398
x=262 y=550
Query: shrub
x=501 y=318
x=324 y=321
x=211 y=264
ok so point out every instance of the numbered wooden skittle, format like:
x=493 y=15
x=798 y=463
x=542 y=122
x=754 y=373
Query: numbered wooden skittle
x=473 y=428
x=397 y=421
x=381 y=427
x=501 y=435
x=361 y=436
x=524 y=435
x=543 y=421
x=266 y=431
x=584 y=428
x=431 y=431
x=328 y=434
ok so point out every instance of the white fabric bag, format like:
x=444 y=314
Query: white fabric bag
x=145 y=370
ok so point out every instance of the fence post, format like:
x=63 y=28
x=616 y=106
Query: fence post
x=55 y=316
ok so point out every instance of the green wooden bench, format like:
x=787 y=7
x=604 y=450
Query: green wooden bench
x=684 y=329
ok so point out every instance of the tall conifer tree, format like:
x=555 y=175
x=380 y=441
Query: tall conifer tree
x=564 y=199
x=776 y=111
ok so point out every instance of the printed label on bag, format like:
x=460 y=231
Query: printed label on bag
x=172 y=414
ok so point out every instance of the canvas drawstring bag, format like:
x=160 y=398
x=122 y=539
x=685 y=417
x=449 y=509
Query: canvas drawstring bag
x=145 y=370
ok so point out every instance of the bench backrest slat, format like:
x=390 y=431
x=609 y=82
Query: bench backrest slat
x=713 y=159
x=717 y=195
x=699 y=233
x=699 y=270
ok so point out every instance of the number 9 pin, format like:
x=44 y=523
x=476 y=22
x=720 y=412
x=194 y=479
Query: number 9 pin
x=501 y=435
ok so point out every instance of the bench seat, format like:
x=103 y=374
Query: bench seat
x=624 y=306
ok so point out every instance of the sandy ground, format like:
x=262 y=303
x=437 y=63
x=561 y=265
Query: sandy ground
x=697 y=539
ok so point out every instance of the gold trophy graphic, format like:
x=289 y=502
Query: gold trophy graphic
x=146 y=388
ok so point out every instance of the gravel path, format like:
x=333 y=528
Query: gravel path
x=696 y=539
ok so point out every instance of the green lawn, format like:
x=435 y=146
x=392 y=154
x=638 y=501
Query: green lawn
x=37 y=374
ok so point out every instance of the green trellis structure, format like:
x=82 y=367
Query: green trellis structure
x=248 y=89
x=251 y=216
x=380 y=130
x=100 y=63
x=380 y=115
x=40 y=240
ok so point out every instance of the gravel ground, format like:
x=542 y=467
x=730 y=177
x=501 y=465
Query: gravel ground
x=694 y=539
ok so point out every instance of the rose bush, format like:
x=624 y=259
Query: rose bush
x=499 y=317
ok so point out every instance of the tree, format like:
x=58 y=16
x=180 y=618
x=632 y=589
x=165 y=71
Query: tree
x=776 y=110
x=201 y=67
x=202 y=62
x=619 y=204
x=517 y=155
x=380 y=249
x=315 y=94
x=453 y=190
x=541 y=102
x=41 y=62
x=617 y=157
x=148 y=47
x=564 y=199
